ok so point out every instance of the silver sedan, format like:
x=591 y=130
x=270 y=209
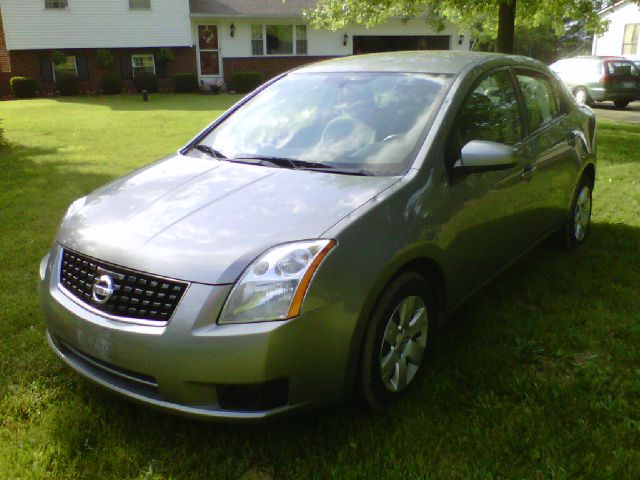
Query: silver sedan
x=304 y=246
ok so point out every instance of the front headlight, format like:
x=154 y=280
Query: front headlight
x=274 y=284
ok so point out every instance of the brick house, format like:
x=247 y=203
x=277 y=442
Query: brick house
x=210 y=38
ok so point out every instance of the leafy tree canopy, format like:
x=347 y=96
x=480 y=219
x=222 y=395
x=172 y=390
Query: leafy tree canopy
x=480 y=17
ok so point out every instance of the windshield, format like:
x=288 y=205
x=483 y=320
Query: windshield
x=370 y=122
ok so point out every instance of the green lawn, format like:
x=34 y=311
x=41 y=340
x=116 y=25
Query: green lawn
x=537 y=377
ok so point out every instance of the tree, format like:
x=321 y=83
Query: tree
x=486 y=19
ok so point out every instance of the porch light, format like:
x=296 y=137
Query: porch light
x=345 y=40
x=232 y=30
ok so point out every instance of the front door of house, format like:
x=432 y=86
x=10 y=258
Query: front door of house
x=208 y=51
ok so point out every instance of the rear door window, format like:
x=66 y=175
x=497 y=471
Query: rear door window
x=540 y=97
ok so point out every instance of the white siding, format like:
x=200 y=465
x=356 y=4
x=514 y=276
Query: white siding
x=95 y=24
x=320 y=42
x=610 y=43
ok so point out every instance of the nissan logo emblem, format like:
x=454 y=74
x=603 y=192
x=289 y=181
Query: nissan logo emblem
x=102 y=289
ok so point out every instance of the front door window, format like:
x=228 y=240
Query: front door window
x=490 y=112
x=208 y=50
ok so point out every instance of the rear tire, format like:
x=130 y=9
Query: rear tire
x=621 y=103
x=577 y=225
x=398 y=340
x=582 y=96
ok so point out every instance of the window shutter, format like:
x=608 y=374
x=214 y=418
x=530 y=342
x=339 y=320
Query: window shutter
x=82 y=64
x=125 y=67
x=46 y=70
x=161 y=68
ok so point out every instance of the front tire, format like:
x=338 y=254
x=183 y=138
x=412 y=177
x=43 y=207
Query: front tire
x=398 y=340
x=577 y=225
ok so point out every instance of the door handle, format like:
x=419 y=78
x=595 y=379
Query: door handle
x=527 y=172
x=571 y=138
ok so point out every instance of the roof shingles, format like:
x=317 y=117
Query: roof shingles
x=250 y=8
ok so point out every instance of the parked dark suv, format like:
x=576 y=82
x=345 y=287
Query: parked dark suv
x=600 y=79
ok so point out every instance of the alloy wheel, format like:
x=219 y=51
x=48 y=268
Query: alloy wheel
x=582 y=213
x=404 y=343
x=581 y=96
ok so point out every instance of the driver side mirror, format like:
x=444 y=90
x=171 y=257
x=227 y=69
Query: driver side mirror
x=485 y=156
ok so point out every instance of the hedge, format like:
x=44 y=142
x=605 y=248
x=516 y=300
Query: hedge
x=185 y=83
x=23 y=87
x=244 y=82
x=110 y=84
x=146 y=81
x=68 y=85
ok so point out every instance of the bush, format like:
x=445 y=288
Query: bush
x=110 y=85
x=244 y=82
x=68 y=85
x=146 y=81
x=185 y=83
x=105 y=57
x=58 y=57
x=23 y=87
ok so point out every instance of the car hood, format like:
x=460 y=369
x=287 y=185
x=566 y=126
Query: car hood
x=204 y=220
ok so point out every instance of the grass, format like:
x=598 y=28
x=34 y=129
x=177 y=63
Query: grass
x=536 y=377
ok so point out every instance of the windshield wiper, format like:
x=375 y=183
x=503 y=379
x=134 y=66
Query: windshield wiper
x=262 y=160
x=326 y=167
x=296 y=164
x=212 y=152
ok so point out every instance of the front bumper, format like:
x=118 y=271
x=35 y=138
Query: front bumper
x=190 y=365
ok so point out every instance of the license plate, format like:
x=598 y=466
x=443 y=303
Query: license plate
x=628 y=84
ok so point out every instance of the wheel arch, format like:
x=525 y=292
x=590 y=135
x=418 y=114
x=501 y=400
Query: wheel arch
x=424 y=264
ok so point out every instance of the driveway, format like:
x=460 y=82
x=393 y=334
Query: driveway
x=606 y=111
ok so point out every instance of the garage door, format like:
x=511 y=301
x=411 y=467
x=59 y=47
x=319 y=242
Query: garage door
x=396 y=43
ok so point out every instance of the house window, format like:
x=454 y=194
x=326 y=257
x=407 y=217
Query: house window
x=56 y=4
x=66 y=68
x=144 y=63
x=630 y=40
x=257 y=40
x=301 y=39
x=209 y=50
x=279 y=39
x=140 y=4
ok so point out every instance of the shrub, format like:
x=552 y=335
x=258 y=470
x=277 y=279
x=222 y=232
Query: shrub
x=105 y=57
x=68 y=85
x=165 y=55
x=244 y=82
x=23 y=87
x=110 y=84
x=146 y=81
x=185 y=83
x=58 y=57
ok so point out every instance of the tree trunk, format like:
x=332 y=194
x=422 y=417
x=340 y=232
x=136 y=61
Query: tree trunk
x=506 y=26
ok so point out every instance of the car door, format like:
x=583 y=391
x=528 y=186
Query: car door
x=549 y=150
x=490 y=207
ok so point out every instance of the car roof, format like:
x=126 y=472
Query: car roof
x=431 y=61
x=595 y=58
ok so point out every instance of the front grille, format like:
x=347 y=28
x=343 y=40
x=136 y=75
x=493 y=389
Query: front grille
x=135 y=295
